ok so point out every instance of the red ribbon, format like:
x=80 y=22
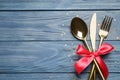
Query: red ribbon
x=88 y=57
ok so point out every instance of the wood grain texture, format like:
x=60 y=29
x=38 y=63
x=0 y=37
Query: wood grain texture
x=58 y=4
x=49 y=25
x=52 y=76
x=48 y=56
x=36 y=43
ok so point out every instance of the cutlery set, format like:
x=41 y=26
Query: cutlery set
x=79 y=30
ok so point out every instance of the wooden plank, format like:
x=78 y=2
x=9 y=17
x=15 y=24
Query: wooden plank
x=49 y=25
x=58 y=4
x=53 y=76
x=54 y=56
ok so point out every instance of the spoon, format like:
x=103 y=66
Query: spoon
x=79 y=30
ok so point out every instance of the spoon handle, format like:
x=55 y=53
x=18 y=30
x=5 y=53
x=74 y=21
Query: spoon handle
x=86 y=43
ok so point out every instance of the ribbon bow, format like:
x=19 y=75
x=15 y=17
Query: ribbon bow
x=88 y=57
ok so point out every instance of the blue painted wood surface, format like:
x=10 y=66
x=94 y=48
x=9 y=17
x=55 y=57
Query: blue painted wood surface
x=36 y=43
x=48 y=25
x=58 y=4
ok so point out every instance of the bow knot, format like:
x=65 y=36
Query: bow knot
x=88 y=57
x=94 y=54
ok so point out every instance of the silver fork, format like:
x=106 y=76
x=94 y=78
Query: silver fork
x=105 y=28
x=103 y=33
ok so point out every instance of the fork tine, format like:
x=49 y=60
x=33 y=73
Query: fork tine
x=103 y=23
x=109 y=23
x=106 y=24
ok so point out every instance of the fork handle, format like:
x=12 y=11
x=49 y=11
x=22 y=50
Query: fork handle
x=101 y=40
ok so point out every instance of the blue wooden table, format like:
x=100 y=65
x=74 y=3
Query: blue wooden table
x=36 y=42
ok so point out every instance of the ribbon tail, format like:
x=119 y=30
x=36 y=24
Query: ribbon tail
x=83 y=63
x=103 y=66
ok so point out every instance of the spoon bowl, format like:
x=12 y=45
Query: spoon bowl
x=79 y=30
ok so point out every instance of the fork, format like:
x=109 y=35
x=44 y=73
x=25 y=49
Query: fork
x=103 y=33
x=105 y=28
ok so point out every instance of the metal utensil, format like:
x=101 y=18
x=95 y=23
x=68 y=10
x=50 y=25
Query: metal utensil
x=93 y=37
x=93 y=41
x=79 y=30
x=93 y=31
x=104 y=29
x=103 y=33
